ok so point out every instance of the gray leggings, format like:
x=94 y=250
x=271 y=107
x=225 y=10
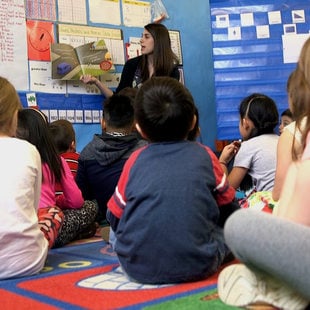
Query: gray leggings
x=273 y=245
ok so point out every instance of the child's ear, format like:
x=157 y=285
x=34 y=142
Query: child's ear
x=245 y=123
x=72 y=147
x=193 y=122
x=143 y=135
x=103 y=124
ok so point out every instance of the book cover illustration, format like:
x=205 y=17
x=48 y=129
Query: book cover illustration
x=69 y=63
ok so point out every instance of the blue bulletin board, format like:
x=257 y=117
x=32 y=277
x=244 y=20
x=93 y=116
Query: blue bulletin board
x=255 y=48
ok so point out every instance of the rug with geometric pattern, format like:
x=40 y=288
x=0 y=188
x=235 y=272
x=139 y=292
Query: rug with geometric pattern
x=86 y=276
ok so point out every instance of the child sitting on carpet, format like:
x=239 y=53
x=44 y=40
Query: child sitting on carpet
x=275 y=249
x=23 y=247
x=102 y=159
x=257 y=153
x=172 y=194
x=64 y=137
x=289 y=139
x=78 y=215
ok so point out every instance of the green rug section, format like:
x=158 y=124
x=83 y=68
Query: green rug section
x=203 y=300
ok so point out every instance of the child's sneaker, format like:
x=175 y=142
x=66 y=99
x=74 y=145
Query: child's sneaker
x=239 y=286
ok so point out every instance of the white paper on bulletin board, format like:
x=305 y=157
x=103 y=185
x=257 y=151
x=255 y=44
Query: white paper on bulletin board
x=105 y=11
x=176 y=44
x=136 y=13
x=72 y=11
x=13 y=42
x=292 y=45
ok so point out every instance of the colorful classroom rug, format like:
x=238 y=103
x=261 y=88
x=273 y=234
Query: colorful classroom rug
x=85 y=276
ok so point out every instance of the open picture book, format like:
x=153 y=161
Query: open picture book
x=69 y=63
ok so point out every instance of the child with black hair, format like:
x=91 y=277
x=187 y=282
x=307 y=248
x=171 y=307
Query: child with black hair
x=171 y=196
x=257 y=154
x=64 y=137
x=78 y=215
x=101 y=161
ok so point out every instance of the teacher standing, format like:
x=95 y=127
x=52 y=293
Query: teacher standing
x=156 y=59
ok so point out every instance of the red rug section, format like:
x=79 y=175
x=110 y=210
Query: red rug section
x=64 y=288
x=21 y=302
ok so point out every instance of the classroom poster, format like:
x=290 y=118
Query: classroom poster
x=13 y=43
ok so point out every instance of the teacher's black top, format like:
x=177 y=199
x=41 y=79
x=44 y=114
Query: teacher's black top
x=131 y=75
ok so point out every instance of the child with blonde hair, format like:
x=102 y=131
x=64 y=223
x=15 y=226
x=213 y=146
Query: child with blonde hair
x=275 y=248
x=23 y=247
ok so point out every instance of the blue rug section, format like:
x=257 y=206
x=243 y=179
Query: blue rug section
x=92 y=250
x=71 y=258
x=79 y=256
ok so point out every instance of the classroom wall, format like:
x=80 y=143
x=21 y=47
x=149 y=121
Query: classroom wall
x=192 y=18
x=193 y=22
